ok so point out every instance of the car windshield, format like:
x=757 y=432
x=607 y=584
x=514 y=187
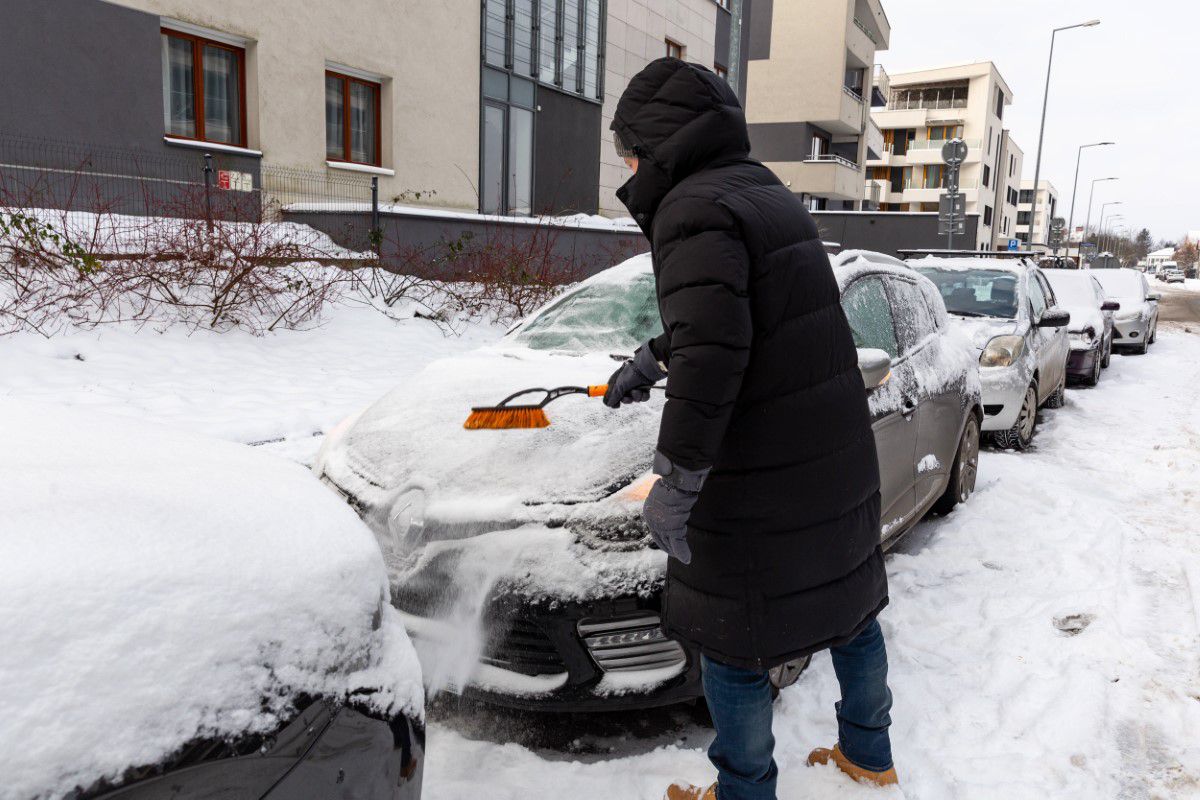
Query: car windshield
x=1072 y=288
x=609 y=315
x=1119 y=283
x=976 y=292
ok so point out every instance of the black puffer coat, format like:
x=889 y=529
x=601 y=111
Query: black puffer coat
x=762 y=385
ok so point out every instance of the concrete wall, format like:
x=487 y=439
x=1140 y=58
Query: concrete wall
x=890 y=232
x=637 y=33
x=426 y=53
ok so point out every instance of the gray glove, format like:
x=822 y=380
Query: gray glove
x=669 y=505
x=632 y=381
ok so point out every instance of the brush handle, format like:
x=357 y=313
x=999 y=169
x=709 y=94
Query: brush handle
x=599 y=390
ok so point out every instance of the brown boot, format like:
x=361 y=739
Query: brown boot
x=823 y=755
x=686 y=791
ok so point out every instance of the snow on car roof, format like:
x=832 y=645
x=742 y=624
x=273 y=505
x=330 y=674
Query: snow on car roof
x=159 y=586
x=964 y=264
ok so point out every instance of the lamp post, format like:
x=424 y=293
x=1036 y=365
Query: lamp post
x=1091 y=194
x=1074 y=189
x=1037 y=170
x=1100 y=226
x=1109 y=230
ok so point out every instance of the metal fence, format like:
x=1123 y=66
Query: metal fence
x=86 y=178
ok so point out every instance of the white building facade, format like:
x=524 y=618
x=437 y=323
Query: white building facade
x=1033 y=228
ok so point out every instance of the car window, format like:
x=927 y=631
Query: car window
x=975 y=292
x=613 y=315
x=1037 y=298
x=870 y=315
x=914 y=322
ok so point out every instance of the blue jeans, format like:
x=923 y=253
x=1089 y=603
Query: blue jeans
x=740 y=703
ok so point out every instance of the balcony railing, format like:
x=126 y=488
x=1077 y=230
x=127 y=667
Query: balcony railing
x=833 y=158
x=862 y=27
x=913 y=103
x=973 y=145
x=850 y=90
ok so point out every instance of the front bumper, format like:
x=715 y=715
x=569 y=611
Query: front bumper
x=1082 y=363
x=1129 y=334
x=606 y=655
x=328 y=750
x=1003 y=393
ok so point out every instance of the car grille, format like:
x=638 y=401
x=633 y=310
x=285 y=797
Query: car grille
x=524 y=647
x=630 y=643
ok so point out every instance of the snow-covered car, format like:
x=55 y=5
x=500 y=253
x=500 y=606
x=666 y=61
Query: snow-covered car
x=184 y=617
x=538 y=533
x=1091 y=325
x=1135 y=325
x=1008 y=310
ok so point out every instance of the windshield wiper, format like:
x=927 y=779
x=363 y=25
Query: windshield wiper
x=969 y=314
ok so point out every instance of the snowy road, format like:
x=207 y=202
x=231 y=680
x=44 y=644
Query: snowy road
x=1045 y=638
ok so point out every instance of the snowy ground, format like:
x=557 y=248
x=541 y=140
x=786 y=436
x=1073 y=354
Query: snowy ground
x=1044 y=639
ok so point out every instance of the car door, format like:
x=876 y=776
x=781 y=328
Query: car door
x=1041 y=340
x=893 y=406
x=1060 y=340
x=939 y=402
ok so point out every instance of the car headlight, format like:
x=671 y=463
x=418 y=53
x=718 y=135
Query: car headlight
x=406 y=521
x=1002 y=351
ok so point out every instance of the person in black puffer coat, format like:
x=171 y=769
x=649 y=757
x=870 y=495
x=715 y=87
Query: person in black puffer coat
x=768 y=502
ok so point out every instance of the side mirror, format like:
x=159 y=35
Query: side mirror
x=875 y=366
x=1054 y=317
x=1110 y=305
x=1154 y=297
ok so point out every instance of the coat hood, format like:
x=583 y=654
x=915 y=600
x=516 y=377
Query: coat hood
x=679 y=118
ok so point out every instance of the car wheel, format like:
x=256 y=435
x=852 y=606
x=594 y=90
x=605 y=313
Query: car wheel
x=964 y=471
x=1153 y=334
x=1020 y=435
x=1094 y=378
x=1144 y=347
x=1058 y=398
x=785 y=675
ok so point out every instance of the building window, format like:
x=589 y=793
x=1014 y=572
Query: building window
x=352 y=119
x=987 y=215
x=855 y=80
x=935 y=177
x=557 y=42
x=204 y=89
x=506 y=166
x=1027 y=196
x=1012 y=160
x=674 y=49
x=989 y=141
x=819 y=146
x=939 y=133
x=987 y=174
x=1023 y=217
x=999 y=103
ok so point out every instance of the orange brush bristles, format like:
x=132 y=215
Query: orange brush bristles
x=506 y=418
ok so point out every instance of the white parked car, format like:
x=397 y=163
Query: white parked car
x=1091 y=325
x=185 y=617
x=1135 y=325
x=1009 y=311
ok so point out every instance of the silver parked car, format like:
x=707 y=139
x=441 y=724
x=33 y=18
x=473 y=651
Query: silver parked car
x=1091 y=325
x=539 y=532
x=1135 y=325
x=1010 y=313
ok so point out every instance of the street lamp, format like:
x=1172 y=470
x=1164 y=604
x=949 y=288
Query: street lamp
x=1086 y=224
x=1037 y=170
x=1075 y=187
x=1110 y=230
x=1100 y=226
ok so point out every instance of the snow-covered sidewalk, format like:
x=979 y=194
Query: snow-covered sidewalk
x=1045 y=638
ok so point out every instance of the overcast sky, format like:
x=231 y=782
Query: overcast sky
x=1134 y=80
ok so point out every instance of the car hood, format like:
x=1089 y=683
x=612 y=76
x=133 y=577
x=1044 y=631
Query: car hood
x=980 y=330
x=1083 y=317
x=413 y=438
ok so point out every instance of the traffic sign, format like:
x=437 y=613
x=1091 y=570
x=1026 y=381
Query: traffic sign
x=1014 y=245
x=951 y=204
x=954 y=152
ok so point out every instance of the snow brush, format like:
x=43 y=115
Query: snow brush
x=526 y=415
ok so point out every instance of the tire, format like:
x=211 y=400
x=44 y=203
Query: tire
x=1020 y=435
x=1058 y=398
x=963 y=472
x=1094 y=378
x=1144 y=347
x=785 y=675
x=1153 y=334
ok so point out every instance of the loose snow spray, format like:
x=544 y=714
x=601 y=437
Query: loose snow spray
x=450 y=640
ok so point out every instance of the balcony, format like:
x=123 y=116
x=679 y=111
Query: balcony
x=875 y=143
x=860 y=42
x=881 y=87
x=877 y=191
x=830 y=176
x=929 y=151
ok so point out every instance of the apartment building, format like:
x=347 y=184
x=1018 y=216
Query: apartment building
x=499 y=106
x=923 y=110
x=1031 y=228
x=810 y=84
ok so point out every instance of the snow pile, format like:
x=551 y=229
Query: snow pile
x=593 y=222
x=156 y=586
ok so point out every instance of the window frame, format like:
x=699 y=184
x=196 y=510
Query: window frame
x=198 y=45
x=375 y=86
x=671 y=43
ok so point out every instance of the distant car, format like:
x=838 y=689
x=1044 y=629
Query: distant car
x=1091 y=325
x=1174 y=276
x=1009 y=311
x=540 y=531
x=1135 y=325
x=185 y=617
